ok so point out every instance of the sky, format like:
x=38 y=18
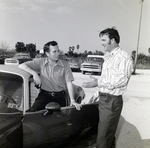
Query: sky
x=74 y=22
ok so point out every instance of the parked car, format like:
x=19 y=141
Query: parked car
x=93 y=64
x=74 y=65
x=50 y=127
x=10 y=61
x=21 y=57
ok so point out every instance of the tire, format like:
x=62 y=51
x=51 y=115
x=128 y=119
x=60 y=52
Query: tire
x=83 y=72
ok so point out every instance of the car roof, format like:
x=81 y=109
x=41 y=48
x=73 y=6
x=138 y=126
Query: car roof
x=14 y=70
x=96 y=56
x=22 y=54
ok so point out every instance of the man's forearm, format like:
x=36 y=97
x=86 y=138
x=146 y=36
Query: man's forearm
x=26 y=68
x=70 y=91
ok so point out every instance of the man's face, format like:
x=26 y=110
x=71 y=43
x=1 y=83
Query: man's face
x=54 y=53
x=106 y=42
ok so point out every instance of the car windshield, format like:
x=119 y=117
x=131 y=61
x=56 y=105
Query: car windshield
x=94 y=59
x=11 y=88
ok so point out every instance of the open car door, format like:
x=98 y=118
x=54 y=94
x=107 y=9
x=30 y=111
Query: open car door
x=55 y=126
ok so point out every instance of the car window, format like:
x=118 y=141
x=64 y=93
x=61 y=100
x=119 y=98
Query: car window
x=94 y=59
x=11 y=85
x=33 y=92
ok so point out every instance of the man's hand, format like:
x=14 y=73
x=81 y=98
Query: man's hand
x=77 y=105
x=95 y=97
x=37 y=80
x=92 y=83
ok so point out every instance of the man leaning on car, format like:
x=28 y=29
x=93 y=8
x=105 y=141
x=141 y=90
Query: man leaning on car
x=53 y=76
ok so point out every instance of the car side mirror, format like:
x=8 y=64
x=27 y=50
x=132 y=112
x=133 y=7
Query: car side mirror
x=51 y=107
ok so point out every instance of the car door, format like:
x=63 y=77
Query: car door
x=54 y=127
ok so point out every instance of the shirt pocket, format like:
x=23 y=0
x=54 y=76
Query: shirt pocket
x=59 y=76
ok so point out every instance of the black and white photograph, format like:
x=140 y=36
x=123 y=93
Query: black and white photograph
x=74 y=73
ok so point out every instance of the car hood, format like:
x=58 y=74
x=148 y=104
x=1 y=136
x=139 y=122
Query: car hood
x=91 y=63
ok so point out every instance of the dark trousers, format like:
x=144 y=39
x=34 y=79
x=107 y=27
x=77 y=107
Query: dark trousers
x=110 y=108
x=44 y=98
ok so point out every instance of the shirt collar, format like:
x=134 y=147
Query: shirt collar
x=59 y=62
x=113 y=52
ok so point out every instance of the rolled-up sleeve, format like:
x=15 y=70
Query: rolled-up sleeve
x=68 y=73
x=34 y=64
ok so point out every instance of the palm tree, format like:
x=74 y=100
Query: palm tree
x=78 y=48
x=149 y=51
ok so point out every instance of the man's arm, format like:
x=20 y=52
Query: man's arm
x=122 y=77
x=92 y=83
x=37 y=79
x=71 y=95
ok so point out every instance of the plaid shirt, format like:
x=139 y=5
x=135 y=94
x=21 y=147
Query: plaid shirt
x=116 y=72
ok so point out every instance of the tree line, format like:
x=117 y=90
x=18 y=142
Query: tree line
x=19 y=47
x=72 y=52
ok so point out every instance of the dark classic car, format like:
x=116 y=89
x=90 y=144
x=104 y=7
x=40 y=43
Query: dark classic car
x=74 y=65
x=50 y=127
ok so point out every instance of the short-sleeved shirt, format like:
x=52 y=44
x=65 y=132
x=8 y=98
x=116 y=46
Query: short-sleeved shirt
x=53 y=78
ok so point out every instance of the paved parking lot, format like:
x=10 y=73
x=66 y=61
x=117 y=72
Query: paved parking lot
x=133 y=129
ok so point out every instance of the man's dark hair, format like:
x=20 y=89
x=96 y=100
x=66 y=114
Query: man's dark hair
x=48 y=44
x=112 y=33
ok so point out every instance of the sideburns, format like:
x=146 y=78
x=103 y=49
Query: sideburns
x=109 y=43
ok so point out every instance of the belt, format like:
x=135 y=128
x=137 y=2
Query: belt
x=53 y=93
x=106 y=94
x=103 y=94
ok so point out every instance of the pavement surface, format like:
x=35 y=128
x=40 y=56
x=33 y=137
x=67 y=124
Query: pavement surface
x=133 y=130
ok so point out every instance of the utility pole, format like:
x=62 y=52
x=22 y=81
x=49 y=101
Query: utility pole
x=135 y=61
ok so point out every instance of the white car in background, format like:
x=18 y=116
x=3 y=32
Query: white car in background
x=17 y=59
x=74 y=65
x=22 y=56
x=11 y=61
x=93 y=64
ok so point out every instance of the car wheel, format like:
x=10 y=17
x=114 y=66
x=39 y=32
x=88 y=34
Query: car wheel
x=83 y=72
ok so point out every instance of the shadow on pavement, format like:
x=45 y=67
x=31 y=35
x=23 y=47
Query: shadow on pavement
x=127 y=136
